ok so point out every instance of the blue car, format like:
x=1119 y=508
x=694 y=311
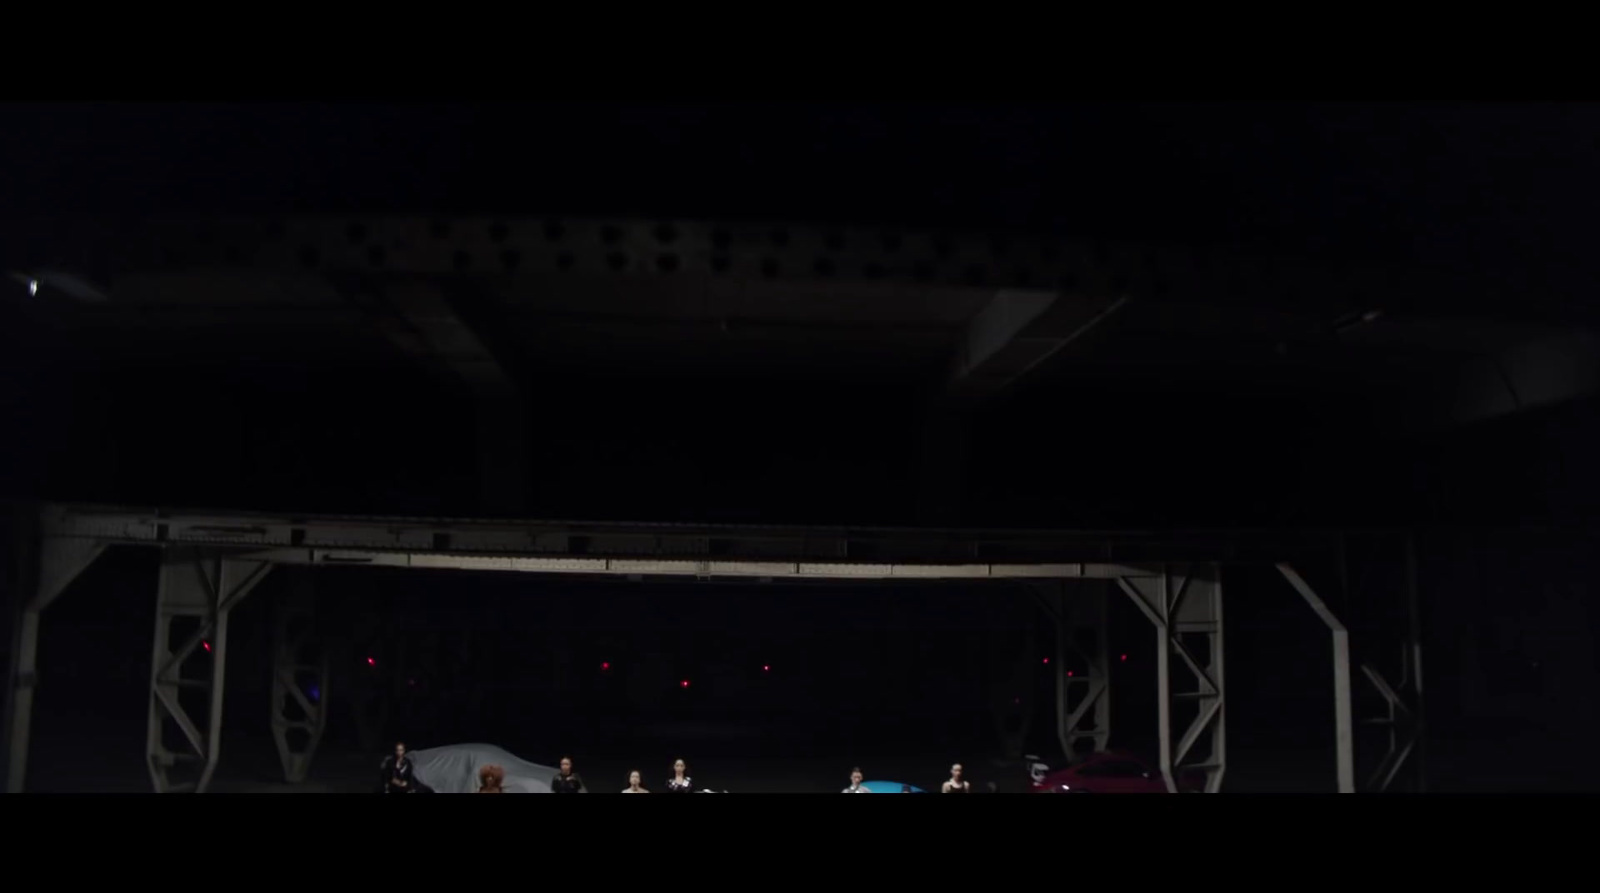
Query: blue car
x=891 y=787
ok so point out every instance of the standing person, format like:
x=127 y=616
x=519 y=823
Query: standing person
x=567 y=781
x=956 y=784
x=491 y=780
x=635 y=786
x=397 y=774
x=855 y=783
x=680 y=782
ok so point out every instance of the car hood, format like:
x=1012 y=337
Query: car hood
x=454 y=769
x=890 y=787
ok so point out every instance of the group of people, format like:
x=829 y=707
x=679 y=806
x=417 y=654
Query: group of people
x=399 y=777
x=566 y=781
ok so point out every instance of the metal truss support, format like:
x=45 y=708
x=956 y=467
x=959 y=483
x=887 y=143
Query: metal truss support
x=197 y=590
x=299 y=678
x=1184 y=604
x=60 y=561
x=1082 y=663
x=1399 y=720
x=1386 y=577
x=1343 y=729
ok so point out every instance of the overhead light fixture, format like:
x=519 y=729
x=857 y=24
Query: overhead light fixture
x=76 y=287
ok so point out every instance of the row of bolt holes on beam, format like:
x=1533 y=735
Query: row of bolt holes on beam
x=667 y=234
x=668 y=262
x=619 y=262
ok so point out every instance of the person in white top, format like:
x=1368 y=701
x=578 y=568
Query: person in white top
x=855 y=783
x=956 y=784
x=634 y=784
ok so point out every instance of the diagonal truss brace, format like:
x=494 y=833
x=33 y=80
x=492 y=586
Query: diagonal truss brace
x=1179 y=602
x=1080 y=615
x=1402 y=721
x=204 y=586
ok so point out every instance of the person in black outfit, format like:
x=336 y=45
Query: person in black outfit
x=397 y=775
x=956 y=784
x=680 y=782
x=567 y=781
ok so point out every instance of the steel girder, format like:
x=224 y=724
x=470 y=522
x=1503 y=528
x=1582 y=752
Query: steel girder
x=1184 y=604
x=299 y=678
x=331 y=538
x=60 y=560
x=197 y=590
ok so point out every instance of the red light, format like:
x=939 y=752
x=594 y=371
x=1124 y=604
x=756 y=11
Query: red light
x=206 y=645
x=1069 y=672
x=605 y=665
x=766 y=668
x=371 y=662
x=1124 y=657
x=684 y=684
x=1047 y=661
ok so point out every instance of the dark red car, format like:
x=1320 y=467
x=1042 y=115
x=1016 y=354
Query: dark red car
x=1113 y=773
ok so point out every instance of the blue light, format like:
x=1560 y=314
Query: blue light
x=315 y=693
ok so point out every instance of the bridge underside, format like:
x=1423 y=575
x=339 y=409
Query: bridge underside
x=942 y=363
x=212 y=561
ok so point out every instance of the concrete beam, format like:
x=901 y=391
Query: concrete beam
x=423 y=323
x=757 y=252
x=1533 y=374
x=1016 y=332
x=1536 y=372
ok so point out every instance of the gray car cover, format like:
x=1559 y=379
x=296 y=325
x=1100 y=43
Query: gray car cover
x=454 y=769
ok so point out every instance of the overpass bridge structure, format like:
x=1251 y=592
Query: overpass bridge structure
x=211 y=561
x=502 y=310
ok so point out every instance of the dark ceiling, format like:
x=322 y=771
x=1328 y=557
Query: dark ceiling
x=797 y=292
x=1502 y=185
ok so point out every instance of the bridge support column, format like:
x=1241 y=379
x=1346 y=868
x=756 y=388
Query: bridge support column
x=1184 y=604
x=299 y=678
x=1379 y=570
x=1080 y=612
x=47 y=574
x=197 y=590
x=1343 y=727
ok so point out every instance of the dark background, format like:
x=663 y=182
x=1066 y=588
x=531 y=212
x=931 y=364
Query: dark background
x=1503 y=509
